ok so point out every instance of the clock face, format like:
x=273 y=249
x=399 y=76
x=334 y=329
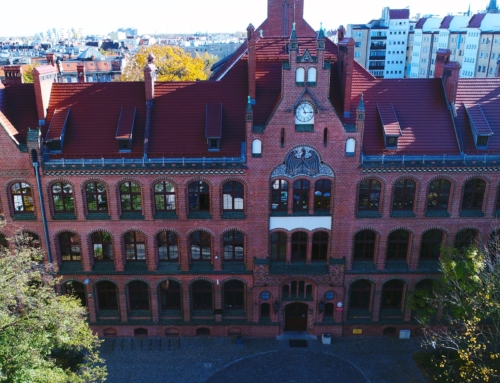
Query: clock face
x=304 y=112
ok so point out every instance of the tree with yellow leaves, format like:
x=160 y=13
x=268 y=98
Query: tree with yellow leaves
x=172 y=63
x=461 y=314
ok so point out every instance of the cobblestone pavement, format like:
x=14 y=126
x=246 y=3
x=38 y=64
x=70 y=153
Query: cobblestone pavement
x=211 y=360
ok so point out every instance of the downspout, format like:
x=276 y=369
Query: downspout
x=34 y=160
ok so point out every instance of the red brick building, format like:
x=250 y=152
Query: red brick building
x=292 y=191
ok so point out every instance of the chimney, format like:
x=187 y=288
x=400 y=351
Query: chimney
x=13 y=74
x=50 y=58
x=442 y=58
x=150 y=77
x=451 y=75
x=43 y=78
x=345 y=65
x=80 y=68
x=340 y=33
x=252 y=62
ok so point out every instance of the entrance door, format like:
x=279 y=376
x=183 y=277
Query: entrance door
x=296 y=317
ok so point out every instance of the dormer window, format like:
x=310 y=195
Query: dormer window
x=55 y=134
x=390 y=124
x=391 y=142
x=213 y=126
x=125 y=129
x=480 y=127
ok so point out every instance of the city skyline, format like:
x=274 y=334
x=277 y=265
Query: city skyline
x=220 y=16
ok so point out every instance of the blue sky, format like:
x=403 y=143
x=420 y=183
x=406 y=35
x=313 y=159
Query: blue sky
x=189 y=16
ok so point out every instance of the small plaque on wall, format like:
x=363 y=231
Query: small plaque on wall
x=218 y=311
x=357 y=331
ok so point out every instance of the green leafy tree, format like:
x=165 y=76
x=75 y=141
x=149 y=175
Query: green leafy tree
x=28 y=72
x=44 y=337
x=172 y=63
x=208 y=60
x=461 y=315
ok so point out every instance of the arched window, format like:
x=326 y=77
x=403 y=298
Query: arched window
x=466 y=238
x=322 y=195
x=233 y=246
x=300 y=75
x=360 y=295
x=311 y=76
x=392 y=294
x=201 y=295
x=21 y=198
x=135 y=246
x=62 y=196
x=301 y=196
x=130 y=197
x=234 y=295
x=200 y=246
x=474 y=194
x=199 y=196
x=27 y=238
x=69 y=247
x=404 y=195
x=397 y=246
x=101 y=246
x=257 y=147
x=369 y=195
x=168 y=246
x=319 y=246
x=439 y=195
x=278 y=246
x=170 y=295
x=350 y=147
x=164 y=193
x=77 y=290
x=364 y=245
x=299 y=246
x=431 y=244
x=232 y=196
x=97 y=201
x=107 y=298
x=279 y=195
x=138 y=295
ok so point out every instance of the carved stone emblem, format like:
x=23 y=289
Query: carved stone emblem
x=302 y=161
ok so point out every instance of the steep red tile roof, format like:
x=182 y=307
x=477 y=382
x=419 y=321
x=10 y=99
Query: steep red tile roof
x=426 y=125
x=95 y=109
x=57 y=124
x=389 y=120
x=125 y=123
x=484 y=91
x=476 y=20
x=19 y=107
x=478 y=120
x=213 y=121
x=445 y=24
x=395 y=14
x=9 y=128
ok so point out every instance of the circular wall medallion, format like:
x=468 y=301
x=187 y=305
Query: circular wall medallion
x=265 y=295
x=329 y=295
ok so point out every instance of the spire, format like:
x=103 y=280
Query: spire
x=468 y=11
x=320 y=41
x=294 y=44
x=293 y=36
x=321 y=33
x=492 y=7
x=361 y=104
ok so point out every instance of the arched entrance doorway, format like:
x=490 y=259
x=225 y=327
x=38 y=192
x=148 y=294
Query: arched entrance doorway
x=296 y=317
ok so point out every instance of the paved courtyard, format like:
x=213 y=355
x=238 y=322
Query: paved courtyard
x=211 y=360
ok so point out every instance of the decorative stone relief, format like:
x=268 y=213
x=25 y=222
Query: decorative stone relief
x=302 y=161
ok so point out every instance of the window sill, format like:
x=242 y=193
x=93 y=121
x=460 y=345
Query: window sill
x=104 y=266
x=108 y=314
x=300 y=213
x=69 y=267
x=168 y=267
x=233 y=215
x=361 y=265
x=403 y=214
x=311 y=83
x=165 y=215
x=369 y=214
x=64 y=217
x=98 y=217
x=132 y=215
x=300 y=83
x=305 y=128
x=202 y=313
x=257 y=155
x=437 y=213
x=200 y=267
x=234 y=267
x=350 y=154
x=471 y=213
x=279 y=213
x=24 y=217
x=322 y=213
x=136 y=266
x=199 y=215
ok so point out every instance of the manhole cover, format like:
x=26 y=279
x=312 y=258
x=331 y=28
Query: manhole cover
x=207 y=365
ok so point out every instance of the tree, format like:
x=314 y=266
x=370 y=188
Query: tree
x=208 y=60
x=172 y=63
x=28 y=73
x=44 y=337
x=461 y=314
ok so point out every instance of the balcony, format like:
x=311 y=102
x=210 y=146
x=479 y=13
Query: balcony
x=377 y=46
x=376 y=67
x=377 y=58
x=378 y=37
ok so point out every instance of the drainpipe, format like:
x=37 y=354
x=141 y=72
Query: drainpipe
x=34 y=160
